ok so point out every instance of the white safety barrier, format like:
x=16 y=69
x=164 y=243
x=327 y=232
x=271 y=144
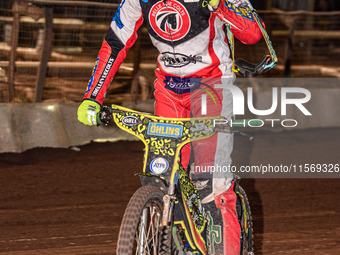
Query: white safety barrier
x=25 y=126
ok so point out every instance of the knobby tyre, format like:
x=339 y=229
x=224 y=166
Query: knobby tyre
x=140 y=231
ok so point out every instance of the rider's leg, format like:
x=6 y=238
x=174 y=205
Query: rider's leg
x=222 y=217
x=172 y=105
x=226 y=202
x=220 y=198
x=223 y=228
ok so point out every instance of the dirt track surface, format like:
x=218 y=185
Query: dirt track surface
x=63 y=201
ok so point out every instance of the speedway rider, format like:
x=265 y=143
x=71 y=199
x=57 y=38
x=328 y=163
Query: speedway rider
x=190 y=37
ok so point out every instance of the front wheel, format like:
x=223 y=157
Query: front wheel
x=140 y=231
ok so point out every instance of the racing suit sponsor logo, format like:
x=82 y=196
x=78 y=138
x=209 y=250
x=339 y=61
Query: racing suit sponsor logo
x=92 y=75
x=170 y=21
x=241 y=4
x=182 y=85
x=103 y=77
x=117 y=19
x=245 y=13
x=131 y=121
x=177 y=60
x=159 y=165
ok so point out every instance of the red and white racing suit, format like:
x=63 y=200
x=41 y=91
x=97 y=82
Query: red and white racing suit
x=192 y=48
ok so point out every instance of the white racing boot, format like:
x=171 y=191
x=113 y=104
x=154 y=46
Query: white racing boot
x=220 y=185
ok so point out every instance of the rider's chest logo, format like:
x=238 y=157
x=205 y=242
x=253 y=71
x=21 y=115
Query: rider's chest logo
x=171 y=22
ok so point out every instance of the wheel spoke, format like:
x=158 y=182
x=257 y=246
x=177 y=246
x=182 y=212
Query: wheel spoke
x=146 y=235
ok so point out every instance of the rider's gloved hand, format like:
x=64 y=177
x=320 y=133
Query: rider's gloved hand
x=214 y=3
x=88 y=111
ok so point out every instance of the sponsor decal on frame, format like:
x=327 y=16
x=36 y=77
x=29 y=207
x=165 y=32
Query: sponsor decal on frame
x=131 y=121
x=164 y=130
x=159 y=165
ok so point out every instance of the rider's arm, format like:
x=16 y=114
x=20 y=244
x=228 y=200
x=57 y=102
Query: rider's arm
x=121 y=35
x=241 y=20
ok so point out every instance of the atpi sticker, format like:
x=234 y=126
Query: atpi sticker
x=159 y=165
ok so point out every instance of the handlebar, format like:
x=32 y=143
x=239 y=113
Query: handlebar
x=105 y=116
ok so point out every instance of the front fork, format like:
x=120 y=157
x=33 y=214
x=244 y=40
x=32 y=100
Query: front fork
x=167 y=219
x=169 y=201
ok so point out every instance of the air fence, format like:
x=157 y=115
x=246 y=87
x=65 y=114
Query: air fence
x=48 y=49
